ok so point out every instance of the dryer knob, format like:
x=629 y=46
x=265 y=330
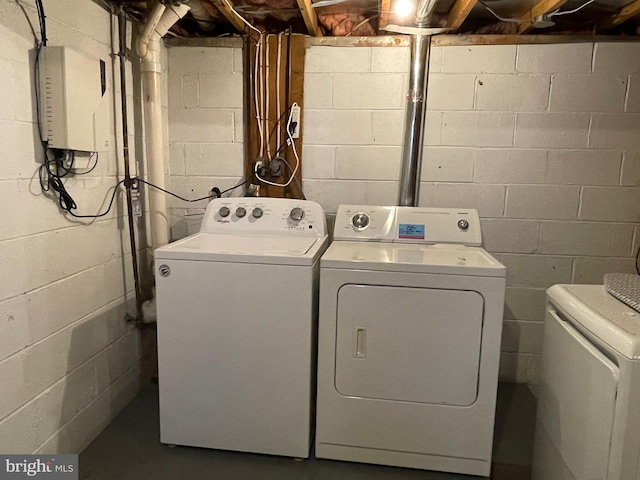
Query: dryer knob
x=463 y=224
x=296 y=214
x=257 y=212
x=241 y=212
x=360 y=221
x=224 y=212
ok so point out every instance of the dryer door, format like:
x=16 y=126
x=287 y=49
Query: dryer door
x=408 y=344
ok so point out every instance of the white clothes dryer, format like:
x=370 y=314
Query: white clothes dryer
x=409 y=340
x=588 y=418
x=237 y=327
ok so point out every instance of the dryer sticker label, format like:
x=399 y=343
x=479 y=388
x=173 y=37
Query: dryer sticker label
x=411 y=231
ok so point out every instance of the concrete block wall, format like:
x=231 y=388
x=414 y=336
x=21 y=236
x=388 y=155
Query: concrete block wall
x=69 y=362
x=541 y=139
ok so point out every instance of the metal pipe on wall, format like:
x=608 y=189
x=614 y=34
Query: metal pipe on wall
x=414 y=124
x=122 y=54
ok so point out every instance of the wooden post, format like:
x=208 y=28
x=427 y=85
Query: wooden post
x=291 y=72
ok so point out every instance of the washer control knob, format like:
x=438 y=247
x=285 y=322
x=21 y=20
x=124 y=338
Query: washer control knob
x=296 y=214
x=257 y=212
x=463 y=224
x=224 y=212
x=241 y=212
x=360 y=221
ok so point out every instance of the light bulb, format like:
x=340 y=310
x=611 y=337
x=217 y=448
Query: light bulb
x=403 y=8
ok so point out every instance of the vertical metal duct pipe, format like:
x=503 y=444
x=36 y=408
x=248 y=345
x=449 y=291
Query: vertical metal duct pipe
x=414 y=123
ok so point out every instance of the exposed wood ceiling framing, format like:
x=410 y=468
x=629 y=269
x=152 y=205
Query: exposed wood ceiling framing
x=370 y=17
x=543 y=7
x=625 y=13
x=459 y=12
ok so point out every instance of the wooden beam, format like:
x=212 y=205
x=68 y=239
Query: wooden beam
x=540 y=8
x=403 y=40
x=225 y=8
x=310 y=17
x=385 y=10
x=458 y=12
x=621 y=16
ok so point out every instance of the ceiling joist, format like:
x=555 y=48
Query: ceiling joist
x=624 y=14
x=226 y=9
x=541 y=8
x=385 y=9
x=310 y=17
x=458 y=12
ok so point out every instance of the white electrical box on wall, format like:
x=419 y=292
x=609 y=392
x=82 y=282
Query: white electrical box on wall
x=74 y=108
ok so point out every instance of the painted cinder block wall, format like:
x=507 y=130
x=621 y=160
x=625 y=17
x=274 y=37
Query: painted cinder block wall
x=69 y=362
x=541 y=139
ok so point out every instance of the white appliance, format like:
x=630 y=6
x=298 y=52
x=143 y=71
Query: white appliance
x=588 y=420
x=409 y=340
x=237 y=319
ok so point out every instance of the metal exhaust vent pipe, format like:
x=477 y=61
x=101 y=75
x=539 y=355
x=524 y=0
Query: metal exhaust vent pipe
x=414 y=123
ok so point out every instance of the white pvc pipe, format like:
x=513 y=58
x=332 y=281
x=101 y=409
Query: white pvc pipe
x=148 y=48
x=149 y=28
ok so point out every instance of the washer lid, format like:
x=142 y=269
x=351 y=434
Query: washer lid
x=602 y=314
x=244 y=249
x=395 y=257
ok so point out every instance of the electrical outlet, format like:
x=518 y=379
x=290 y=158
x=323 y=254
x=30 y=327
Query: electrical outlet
x=276 y=167
x=294 y=127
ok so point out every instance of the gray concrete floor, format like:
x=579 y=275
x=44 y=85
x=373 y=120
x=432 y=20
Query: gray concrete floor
x=130 y=449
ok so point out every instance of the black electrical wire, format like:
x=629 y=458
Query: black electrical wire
x=638 y=261
x=33 y=30
x=42 y=18
x=39 y=43
x=195 y=199
x=295 y=180
x=244 y=182
x=52 y=181
x=113 y=196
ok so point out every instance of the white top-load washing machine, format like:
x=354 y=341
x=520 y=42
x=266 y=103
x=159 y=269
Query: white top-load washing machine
x=237 y=320
x=588 y=419
x=409 y=340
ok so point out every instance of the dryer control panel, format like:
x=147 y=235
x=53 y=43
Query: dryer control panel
x=264 y=216
x=408 y=224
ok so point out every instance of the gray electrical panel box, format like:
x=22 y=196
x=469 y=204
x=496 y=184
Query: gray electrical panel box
x=74 y=107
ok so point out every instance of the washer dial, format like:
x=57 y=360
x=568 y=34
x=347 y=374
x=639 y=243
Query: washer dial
x=296 y=214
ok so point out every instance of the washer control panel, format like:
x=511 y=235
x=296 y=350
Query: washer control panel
x=264 y=216
x=408 y=224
